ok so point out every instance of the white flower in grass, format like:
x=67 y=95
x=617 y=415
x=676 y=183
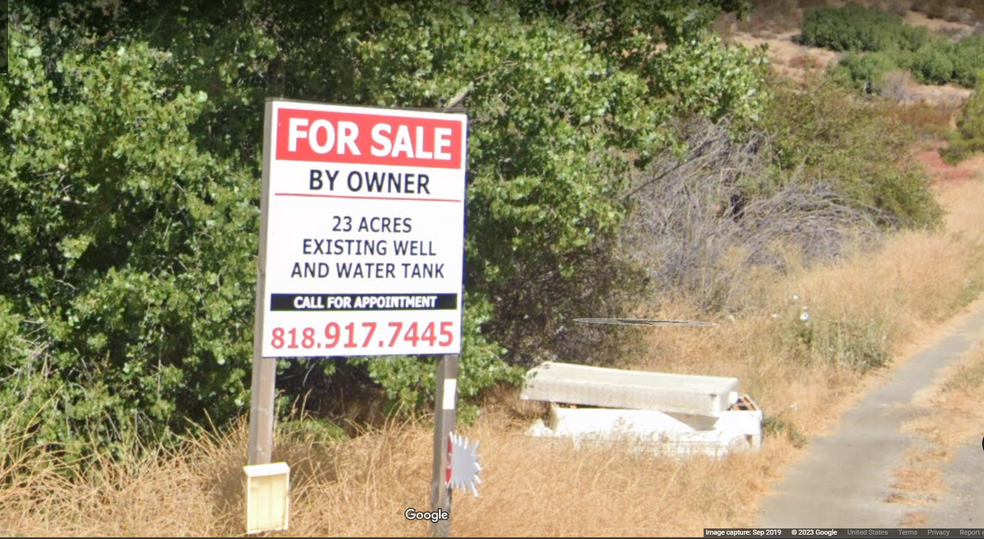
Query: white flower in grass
x=805 y=316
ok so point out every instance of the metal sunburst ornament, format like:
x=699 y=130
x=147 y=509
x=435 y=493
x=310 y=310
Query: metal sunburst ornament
x=464 y=465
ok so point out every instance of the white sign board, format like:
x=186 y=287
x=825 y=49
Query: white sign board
x=363 y=231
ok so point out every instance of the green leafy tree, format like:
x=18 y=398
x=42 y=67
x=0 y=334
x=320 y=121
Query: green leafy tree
x=707 y=78
x=125 y=243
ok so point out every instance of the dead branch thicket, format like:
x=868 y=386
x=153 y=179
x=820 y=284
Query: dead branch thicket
x=704 y=223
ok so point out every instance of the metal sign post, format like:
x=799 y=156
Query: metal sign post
x=445 y=401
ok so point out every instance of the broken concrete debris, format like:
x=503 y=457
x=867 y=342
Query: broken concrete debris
x=655 y=412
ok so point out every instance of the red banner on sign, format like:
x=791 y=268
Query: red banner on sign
x=340 y=137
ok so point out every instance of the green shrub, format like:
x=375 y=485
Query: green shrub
x=968 y=137
x=959 y=149
x=779 y=427
x=862 y=71
x=933 y=59
x=968 y=60
x=941 y=61
x=864 y=153
x=857 y=28
x=933 y=65
x=859 y=346
x=913 y=38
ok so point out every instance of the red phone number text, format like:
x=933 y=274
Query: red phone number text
x=351 y=336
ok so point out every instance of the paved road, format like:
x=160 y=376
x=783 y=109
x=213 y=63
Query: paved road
x=963 y=504
x=844 y=480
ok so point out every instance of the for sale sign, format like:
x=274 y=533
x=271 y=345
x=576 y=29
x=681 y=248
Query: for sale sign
x=362 y=231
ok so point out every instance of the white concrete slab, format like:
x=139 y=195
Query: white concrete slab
x=747 y=423
x=714 y=443
x=575 y=422
x=614 y=388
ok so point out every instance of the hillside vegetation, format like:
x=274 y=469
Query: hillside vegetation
x=879 y=42
x=623 y=160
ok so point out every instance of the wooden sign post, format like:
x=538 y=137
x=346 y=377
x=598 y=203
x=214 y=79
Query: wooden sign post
x=263 y=387
x=261 y=410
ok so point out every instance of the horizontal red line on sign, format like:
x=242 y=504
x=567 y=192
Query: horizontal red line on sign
x=366 y=198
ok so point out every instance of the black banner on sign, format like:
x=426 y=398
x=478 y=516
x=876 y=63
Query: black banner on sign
x=363 y=302
x=919 y=533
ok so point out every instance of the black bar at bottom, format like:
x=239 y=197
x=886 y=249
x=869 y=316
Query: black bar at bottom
x=919 y=533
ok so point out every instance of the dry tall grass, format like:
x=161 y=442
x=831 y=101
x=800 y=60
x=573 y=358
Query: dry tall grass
x=363 y=485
